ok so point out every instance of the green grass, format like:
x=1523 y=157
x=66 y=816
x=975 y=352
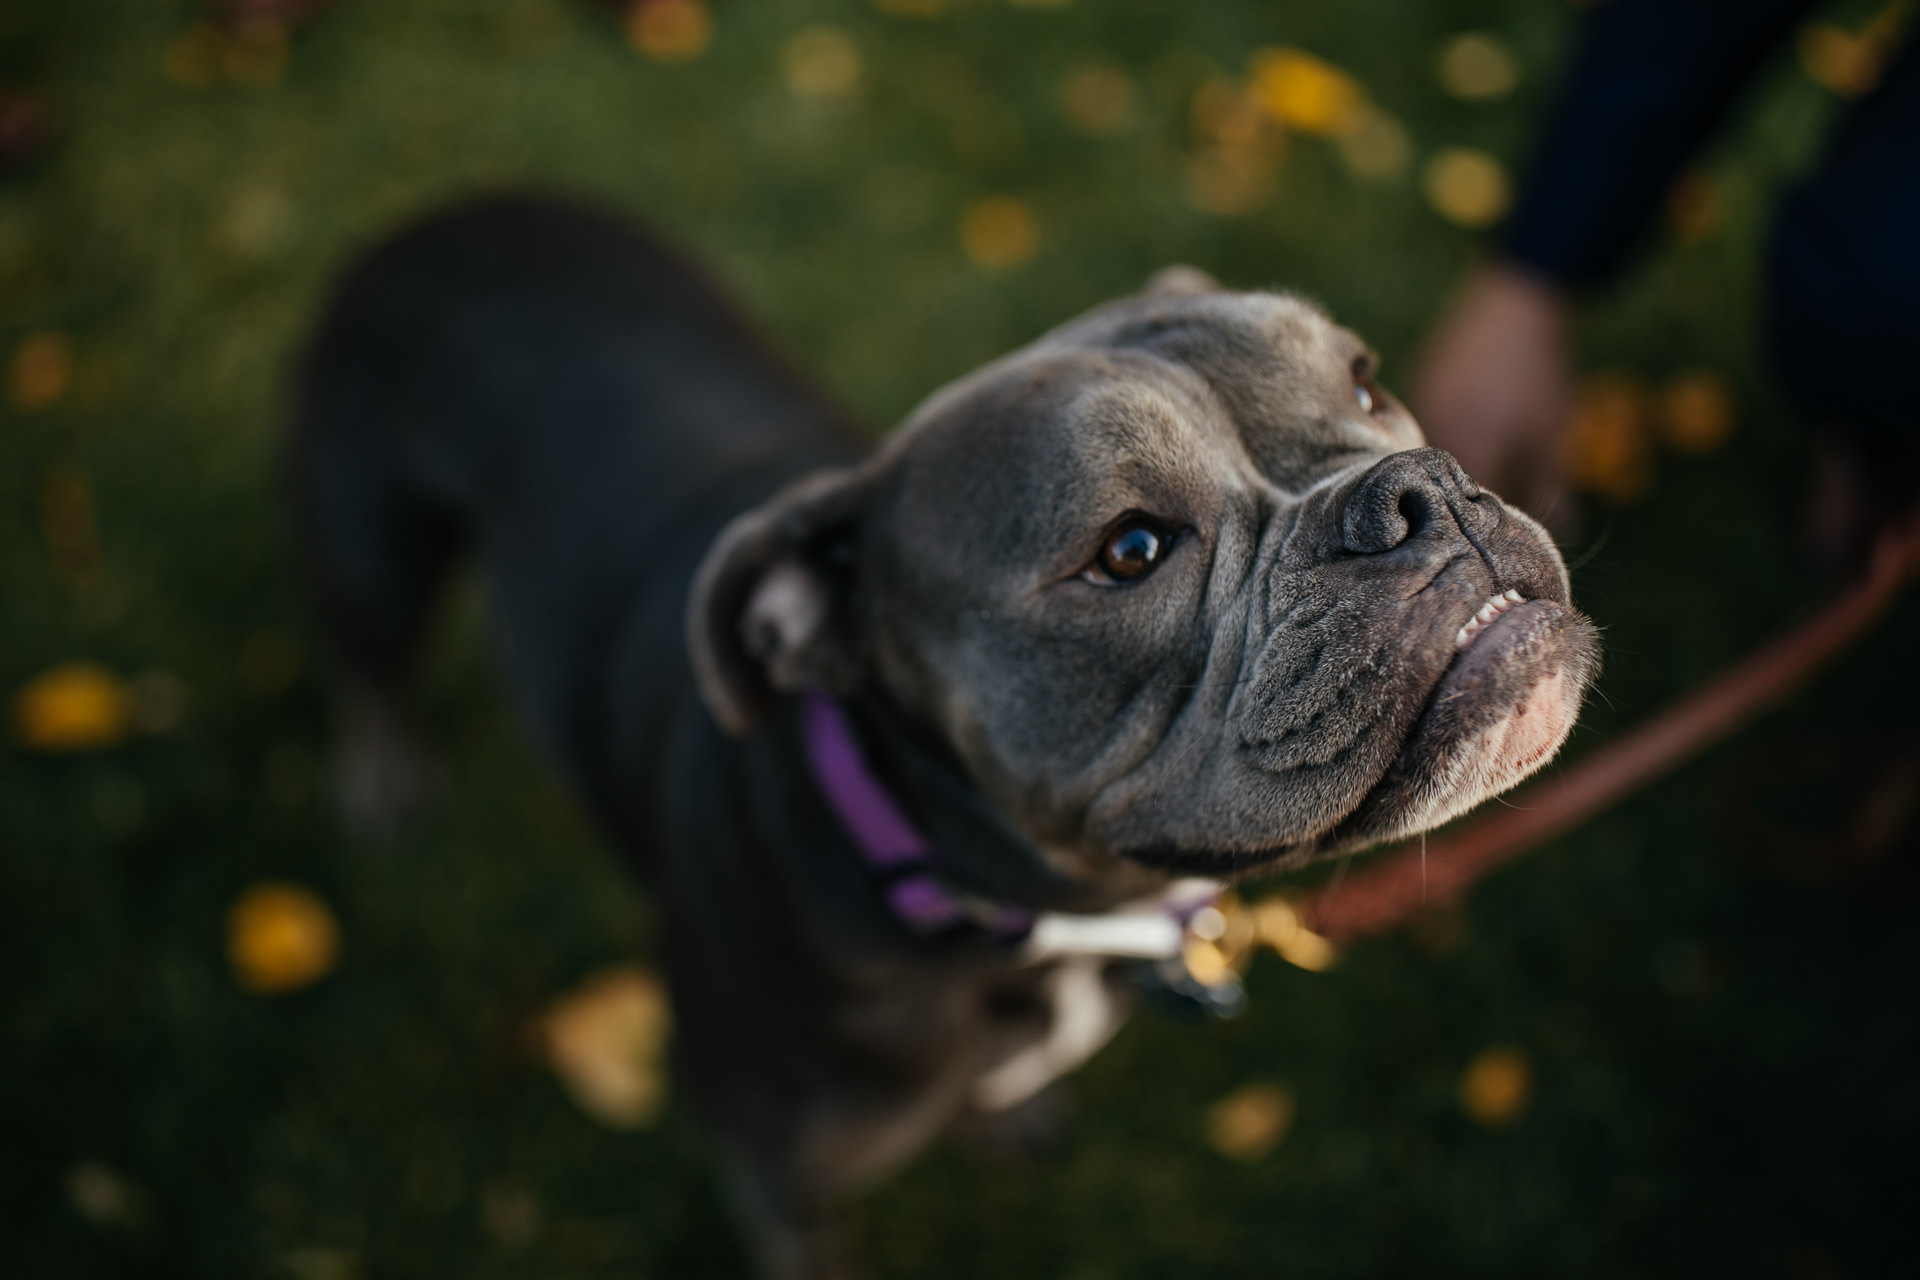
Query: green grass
x=1720 y=1023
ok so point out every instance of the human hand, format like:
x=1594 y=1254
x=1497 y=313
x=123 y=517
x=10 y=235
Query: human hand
x=1494 y=388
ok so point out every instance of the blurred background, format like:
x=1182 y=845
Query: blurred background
x=1680 y=1040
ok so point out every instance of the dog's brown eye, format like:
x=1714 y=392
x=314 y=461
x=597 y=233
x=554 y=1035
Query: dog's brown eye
x=1132 y=552
x=1365 y=391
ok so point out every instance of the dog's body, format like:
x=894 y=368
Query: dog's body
x=1172 y=592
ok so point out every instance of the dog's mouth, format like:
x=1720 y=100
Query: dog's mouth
x=1502 y=705
x=1501 y=708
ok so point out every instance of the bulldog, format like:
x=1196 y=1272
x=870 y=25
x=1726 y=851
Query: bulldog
x=923 y=748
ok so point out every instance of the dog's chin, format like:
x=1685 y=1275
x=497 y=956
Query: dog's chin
x=1500 y=710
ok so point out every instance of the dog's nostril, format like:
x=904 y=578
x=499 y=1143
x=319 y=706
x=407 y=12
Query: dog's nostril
x=1416 y=511
x=1402 y=497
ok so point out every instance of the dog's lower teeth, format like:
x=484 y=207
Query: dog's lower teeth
x=1493 y=608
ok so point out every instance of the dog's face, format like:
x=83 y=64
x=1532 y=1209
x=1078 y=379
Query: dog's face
x=1180 y=587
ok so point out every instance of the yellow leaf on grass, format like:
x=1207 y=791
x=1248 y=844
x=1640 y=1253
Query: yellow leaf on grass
x=1224 y=115
x=256 y=56
x=1378 y=148
x=607 y=1041
x=40 y=371
x=1307 y=94
x=1229 y=928
x=193 y=59
x=1098 y=99
x=998 y=232
x=77 y=706
x=1277 y=924
x=1851 y=63
x=1839 y=60
x=820 y=62
x=281 y=937
x=1476 y=67
x=670 y=30
x=1229 y=181
x=1695 y=208
x=1309 y=951
x=1607 y=448
x=1696 y=412
x=1206 y=962
x=1467 y=187
x=67 y=522
x=1497 y=1086
x=1250 y=1121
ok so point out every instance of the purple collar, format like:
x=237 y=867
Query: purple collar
x=888 y=842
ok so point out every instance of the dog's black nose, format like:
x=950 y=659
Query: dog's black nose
x=1422 y=492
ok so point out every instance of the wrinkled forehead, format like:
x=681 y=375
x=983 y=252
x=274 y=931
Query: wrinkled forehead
x=1196 y=383
x=1217 y=326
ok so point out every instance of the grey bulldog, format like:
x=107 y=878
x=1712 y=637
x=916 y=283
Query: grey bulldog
x=1173 y=592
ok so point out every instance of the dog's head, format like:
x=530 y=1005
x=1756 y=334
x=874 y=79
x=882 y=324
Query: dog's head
x=1179 y=585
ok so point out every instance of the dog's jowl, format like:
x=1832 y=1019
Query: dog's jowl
x=924 y=749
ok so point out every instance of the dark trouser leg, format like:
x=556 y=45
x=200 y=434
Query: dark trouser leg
x=1845 y=283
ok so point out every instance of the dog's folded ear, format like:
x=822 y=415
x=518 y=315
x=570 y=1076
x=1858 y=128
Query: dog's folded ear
x=771 y=607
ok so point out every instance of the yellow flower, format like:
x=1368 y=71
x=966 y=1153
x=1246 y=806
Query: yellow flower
x=77 y=706
x=607 y=1041
x=1250 y=1121
x=1307 y=94
x=1496 y=1086
x=998 y=232
x=281 y=937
